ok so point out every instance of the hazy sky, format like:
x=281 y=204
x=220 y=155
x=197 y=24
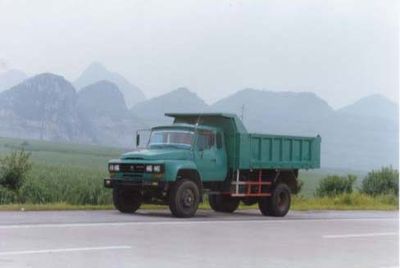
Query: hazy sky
x=341 y=50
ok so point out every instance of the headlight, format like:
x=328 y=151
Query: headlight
x=149 y=168
x=113 y=167
x=157 y=168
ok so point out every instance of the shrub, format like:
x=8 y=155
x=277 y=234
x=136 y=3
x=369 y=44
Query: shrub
x=13 y=169
x=383 y=181
x=335 y=185
x=7 y=196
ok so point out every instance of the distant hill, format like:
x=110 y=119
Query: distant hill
x=96 y=72
x=373 y=106
x=105 y=115
x=276 y=112
x=102 y=98
x=354 y=137
x=41 y=107
x=358 y=142
x=179 y=100
x=366 y=133
x=11 y=78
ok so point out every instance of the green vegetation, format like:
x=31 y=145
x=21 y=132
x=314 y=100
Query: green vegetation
x=13 y=170
x=335 y=185
x=383 y=181
x=312 y=178
x=70 y=176
x=60 y=173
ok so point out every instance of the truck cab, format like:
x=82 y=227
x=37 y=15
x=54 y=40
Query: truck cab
x=197 y=154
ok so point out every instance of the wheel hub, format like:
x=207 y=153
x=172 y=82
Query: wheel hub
x=188 y=198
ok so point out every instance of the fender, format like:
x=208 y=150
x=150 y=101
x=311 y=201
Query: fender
x=172 y=168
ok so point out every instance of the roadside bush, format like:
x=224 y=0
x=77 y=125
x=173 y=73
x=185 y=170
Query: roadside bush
x=13 y=169
x=7 y=196
x=383 y=181
x=335 y=185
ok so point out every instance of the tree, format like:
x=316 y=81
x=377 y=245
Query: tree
x=13 y=169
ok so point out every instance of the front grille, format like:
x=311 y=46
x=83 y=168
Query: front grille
x=132 y=168
x=132 y=175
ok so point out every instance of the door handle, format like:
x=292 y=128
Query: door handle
x=214 y=160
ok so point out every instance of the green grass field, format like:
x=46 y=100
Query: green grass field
x=70 y=176
x=70 y=173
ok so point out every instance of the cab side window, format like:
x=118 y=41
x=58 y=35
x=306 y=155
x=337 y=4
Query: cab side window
x=205 y=140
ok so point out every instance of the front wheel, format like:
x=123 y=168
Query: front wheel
x=184 y=199
x=278 y=204
x=127 y=200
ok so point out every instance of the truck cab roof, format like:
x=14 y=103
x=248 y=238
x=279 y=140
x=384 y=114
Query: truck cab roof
x=230 y=123
x=184 y=126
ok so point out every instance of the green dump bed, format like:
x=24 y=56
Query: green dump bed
x=258 y=151
x=262 y=151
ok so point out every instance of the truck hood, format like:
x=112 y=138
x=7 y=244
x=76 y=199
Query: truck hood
x=159 y=154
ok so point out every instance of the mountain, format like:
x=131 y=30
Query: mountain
x=352 y=138
x=41 y=107
x=179 y=100
x=366 y=132
x=276 y=112
x=102 y=98
x=96 y=72
x=11 y=78
x=105 y=115
x=359 y=142
x=373 y=106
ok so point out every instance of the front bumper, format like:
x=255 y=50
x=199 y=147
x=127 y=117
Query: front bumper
x=112 y=182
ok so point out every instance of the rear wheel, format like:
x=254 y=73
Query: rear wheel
x=127 y=200
x=184 y=199
x=223 y=203
x=278 y=204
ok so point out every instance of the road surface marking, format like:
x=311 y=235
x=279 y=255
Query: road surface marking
x=358 y=235
x=60 y=250
x=172 y=222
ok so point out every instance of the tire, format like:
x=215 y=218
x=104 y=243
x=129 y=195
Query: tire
x=278 y=204
x=127 y=200
x=223 y=203
x=184 y=199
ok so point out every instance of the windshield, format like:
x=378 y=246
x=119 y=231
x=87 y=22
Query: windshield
x=171 y=138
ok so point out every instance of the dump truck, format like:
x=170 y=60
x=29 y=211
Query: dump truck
x=211 y=156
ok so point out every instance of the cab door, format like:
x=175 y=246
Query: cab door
x=210 y=155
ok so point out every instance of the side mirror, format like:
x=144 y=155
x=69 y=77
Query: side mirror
x=137 y=140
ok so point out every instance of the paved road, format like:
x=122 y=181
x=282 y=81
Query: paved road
x=155 y=239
